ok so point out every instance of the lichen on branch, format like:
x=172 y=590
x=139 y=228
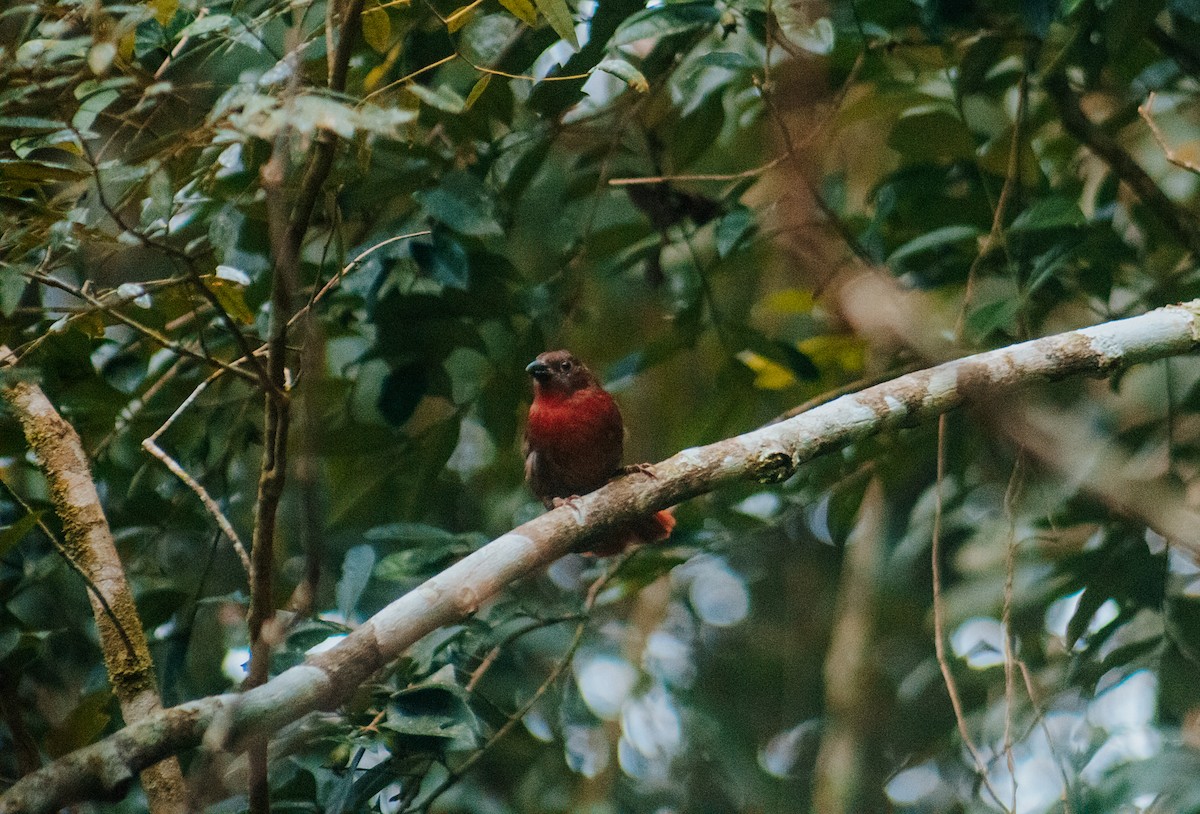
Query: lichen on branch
x=328 y=678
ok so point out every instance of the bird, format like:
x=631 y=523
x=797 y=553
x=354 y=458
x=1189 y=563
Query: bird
x=574 y=441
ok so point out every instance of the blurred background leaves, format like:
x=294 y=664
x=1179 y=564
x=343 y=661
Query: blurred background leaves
x=679 y=193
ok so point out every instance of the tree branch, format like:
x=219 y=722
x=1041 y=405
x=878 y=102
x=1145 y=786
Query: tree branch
x=287 y=234
x=89 y=545
x=767 y=455
x=1180 y=222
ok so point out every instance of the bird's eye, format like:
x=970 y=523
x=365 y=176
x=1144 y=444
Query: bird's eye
x=566 y=366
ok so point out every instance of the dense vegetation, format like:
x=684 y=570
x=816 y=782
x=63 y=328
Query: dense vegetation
x=307 y=250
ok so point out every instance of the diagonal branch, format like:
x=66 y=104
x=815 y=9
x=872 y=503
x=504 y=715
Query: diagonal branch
x=1179 y=221
x=767 y=455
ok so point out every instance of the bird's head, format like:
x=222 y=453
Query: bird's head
x=558 y=372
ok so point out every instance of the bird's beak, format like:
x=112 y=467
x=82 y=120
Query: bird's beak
x=538 y=369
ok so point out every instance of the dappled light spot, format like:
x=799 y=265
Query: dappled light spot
x=605 y=683
x=586 y=750
x=911 y=786
x=980 y=641
x=779 y=755
x=236 y=663
x=717 y=594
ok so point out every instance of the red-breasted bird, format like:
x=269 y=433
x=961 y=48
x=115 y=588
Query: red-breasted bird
x=573 y=444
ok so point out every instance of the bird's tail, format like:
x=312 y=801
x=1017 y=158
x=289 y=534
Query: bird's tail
x=653 y=528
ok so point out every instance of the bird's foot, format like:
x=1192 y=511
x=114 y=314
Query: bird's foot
x=572 y=501
x=646 y=469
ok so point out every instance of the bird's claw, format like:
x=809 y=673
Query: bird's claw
x=646 y=469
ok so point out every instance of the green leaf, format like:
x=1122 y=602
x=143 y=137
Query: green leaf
x=664 y=21
x=938 y=239
x=31 y=123
x=376 y=27
x=434 y=710
x=817 y=38
x=558 y=15
x=1050 y=213
x=85 y=722
x=994 y=316
x=420 y=562
x=462 y=202
x=232 y=297
x=931 y=134
x=444 y=98
x=1089 y=603
x=11 y=535
x=23 y=147
x=523 y=10
x=101 y=56
x=1185 y=8
x=10 y=639
x=12 y=287
x=356 y=573
x=732 y=228
x=208 y=24
x=411 y=534
x=728 y=60
x=623 y=70
x=445 y=260
x=477 y=91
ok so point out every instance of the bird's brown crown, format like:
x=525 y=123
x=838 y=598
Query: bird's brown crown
x=559 y=372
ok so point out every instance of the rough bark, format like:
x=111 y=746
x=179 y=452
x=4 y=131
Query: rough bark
x=768 y=455
x=89 y=543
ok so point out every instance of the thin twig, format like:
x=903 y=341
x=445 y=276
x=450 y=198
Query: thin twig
x=939 y=622
x=1145 y=111
x=131 y=410
x=151 y=445
x=337 y=278
x=559 y=668
x=1179 y=220
x=74 y=566
x=537 y=624
x=1011 y=494
x=1041 y=720
x=995 y=236
x=180 y=256
x=711 y=176
x=145 y=330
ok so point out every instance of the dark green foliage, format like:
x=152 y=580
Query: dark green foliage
x=782 y=143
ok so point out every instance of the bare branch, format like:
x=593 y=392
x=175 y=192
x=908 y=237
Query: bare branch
x=1181 y=222
x=1145 y=111
x=765 y=455
x=145 y=330
x=151 y=445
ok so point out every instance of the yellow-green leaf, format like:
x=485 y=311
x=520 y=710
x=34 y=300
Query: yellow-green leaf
x=523 y=10
x=791 y=301
x=376 y=27
x=478 y=90
x=769 y=375
x=559 y=17
x=835 y=350
x=460 y=17
x=82 y=725
x=231 y=295
x=163 y=10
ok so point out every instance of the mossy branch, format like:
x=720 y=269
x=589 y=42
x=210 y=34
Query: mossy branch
x=88 y=544
x=768 y=455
